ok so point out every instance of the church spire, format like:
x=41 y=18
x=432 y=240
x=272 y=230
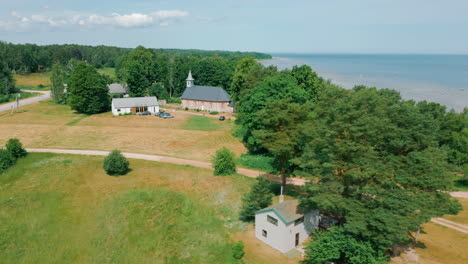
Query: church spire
x=190 y=79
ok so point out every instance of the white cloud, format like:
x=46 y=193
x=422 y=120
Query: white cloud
x=23 y=23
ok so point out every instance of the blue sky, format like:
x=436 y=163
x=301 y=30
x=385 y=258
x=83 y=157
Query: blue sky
x=300 y=26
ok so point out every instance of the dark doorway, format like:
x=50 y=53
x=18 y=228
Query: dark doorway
x=297 y=239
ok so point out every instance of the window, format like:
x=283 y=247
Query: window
x=118 y=110
x=264 y=233
x=299 y=221
x=272 y=220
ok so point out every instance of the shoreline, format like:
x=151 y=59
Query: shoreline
x=417 y=90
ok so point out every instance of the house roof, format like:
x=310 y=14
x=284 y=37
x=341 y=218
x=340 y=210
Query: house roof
x=134 y=102
x=117 y=88
x=288 y=211
x=206 y=93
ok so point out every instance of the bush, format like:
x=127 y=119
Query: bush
x=116 y=164
x=238 y=250
x=224 y=162
x=214 y=113
x=15 y=148
x=6 y=160
x=259 y=197
x=174 y=100
x=186 y=108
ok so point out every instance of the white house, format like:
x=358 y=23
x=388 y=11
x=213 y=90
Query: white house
x=283 y=226
x=134 y=105
x=206 y=98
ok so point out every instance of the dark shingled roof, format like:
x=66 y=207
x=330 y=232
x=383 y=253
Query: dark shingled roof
x=288 y=211
x=206 y=93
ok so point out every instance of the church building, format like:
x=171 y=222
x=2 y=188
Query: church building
x=206 y=98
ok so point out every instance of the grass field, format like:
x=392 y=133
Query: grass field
x=65 y=209
x=107 y=71
x=33 y=80
x=201 y=123
x=44 y=125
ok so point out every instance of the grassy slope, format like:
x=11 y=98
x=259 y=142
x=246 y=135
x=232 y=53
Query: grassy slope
x=31 y=81
x=63 y=208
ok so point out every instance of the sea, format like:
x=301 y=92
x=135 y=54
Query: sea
x=435 y=78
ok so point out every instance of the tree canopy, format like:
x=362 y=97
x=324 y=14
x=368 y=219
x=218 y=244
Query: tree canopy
x=88 y=92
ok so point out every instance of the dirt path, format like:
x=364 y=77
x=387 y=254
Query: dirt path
x=45 y=95
x=450 y=224
x=460 y=194
x=201 y=164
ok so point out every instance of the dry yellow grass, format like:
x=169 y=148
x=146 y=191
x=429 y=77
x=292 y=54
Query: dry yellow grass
x=44 y=125
x=33 y=79
x=461 y=217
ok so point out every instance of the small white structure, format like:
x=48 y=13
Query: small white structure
x=134 y=105
x=283 y=226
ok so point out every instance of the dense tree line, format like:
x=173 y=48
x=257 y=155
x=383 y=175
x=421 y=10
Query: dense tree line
x=27 y=58
x=143 y=67
x=381 y=166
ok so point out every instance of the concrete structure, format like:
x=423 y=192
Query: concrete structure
x=117 y=88
x=134 y=105
x=206 y=98
x=283 y=226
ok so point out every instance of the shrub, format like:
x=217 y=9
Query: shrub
x=238 y=250
x=186 y=108
x=224 y=162
x=116 y=164
x=214 y=113
x=15 y=148
x=40 y=86
x=259 y=197
x=6 y=160
x=174 y=100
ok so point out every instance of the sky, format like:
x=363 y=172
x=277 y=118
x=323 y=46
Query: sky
x=273 y=26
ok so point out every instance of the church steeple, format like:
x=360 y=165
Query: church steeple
x=190 y=80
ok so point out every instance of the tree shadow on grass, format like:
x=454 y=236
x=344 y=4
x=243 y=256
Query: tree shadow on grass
x=121 y=174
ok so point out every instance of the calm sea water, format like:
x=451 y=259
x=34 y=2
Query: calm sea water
x=437 y=78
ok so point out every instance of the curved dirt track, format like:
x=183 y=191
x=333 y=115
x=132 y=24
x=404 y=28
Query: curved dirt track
x=44 y=96
x=201 y=164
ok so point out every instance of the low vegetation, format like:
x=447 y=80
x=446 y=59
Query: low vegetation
x=224 y=162
x=259 y=197
x=116 y=164
x=12 y=152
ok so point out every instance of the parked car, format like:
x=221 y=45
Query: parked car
x=144 y=113
x=222 y=118
x=167 y=115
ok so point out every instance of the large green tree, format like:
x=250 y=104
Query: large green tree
x=88 y=92
x=239 y=79
x=58 y=79
x=138 y=70
x=377 y=163
x=281 y=125
x=7 y=83
x=276 y=88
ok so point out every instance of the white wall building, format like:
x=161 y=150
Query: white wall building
x=283 y=226
x=134 y=105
